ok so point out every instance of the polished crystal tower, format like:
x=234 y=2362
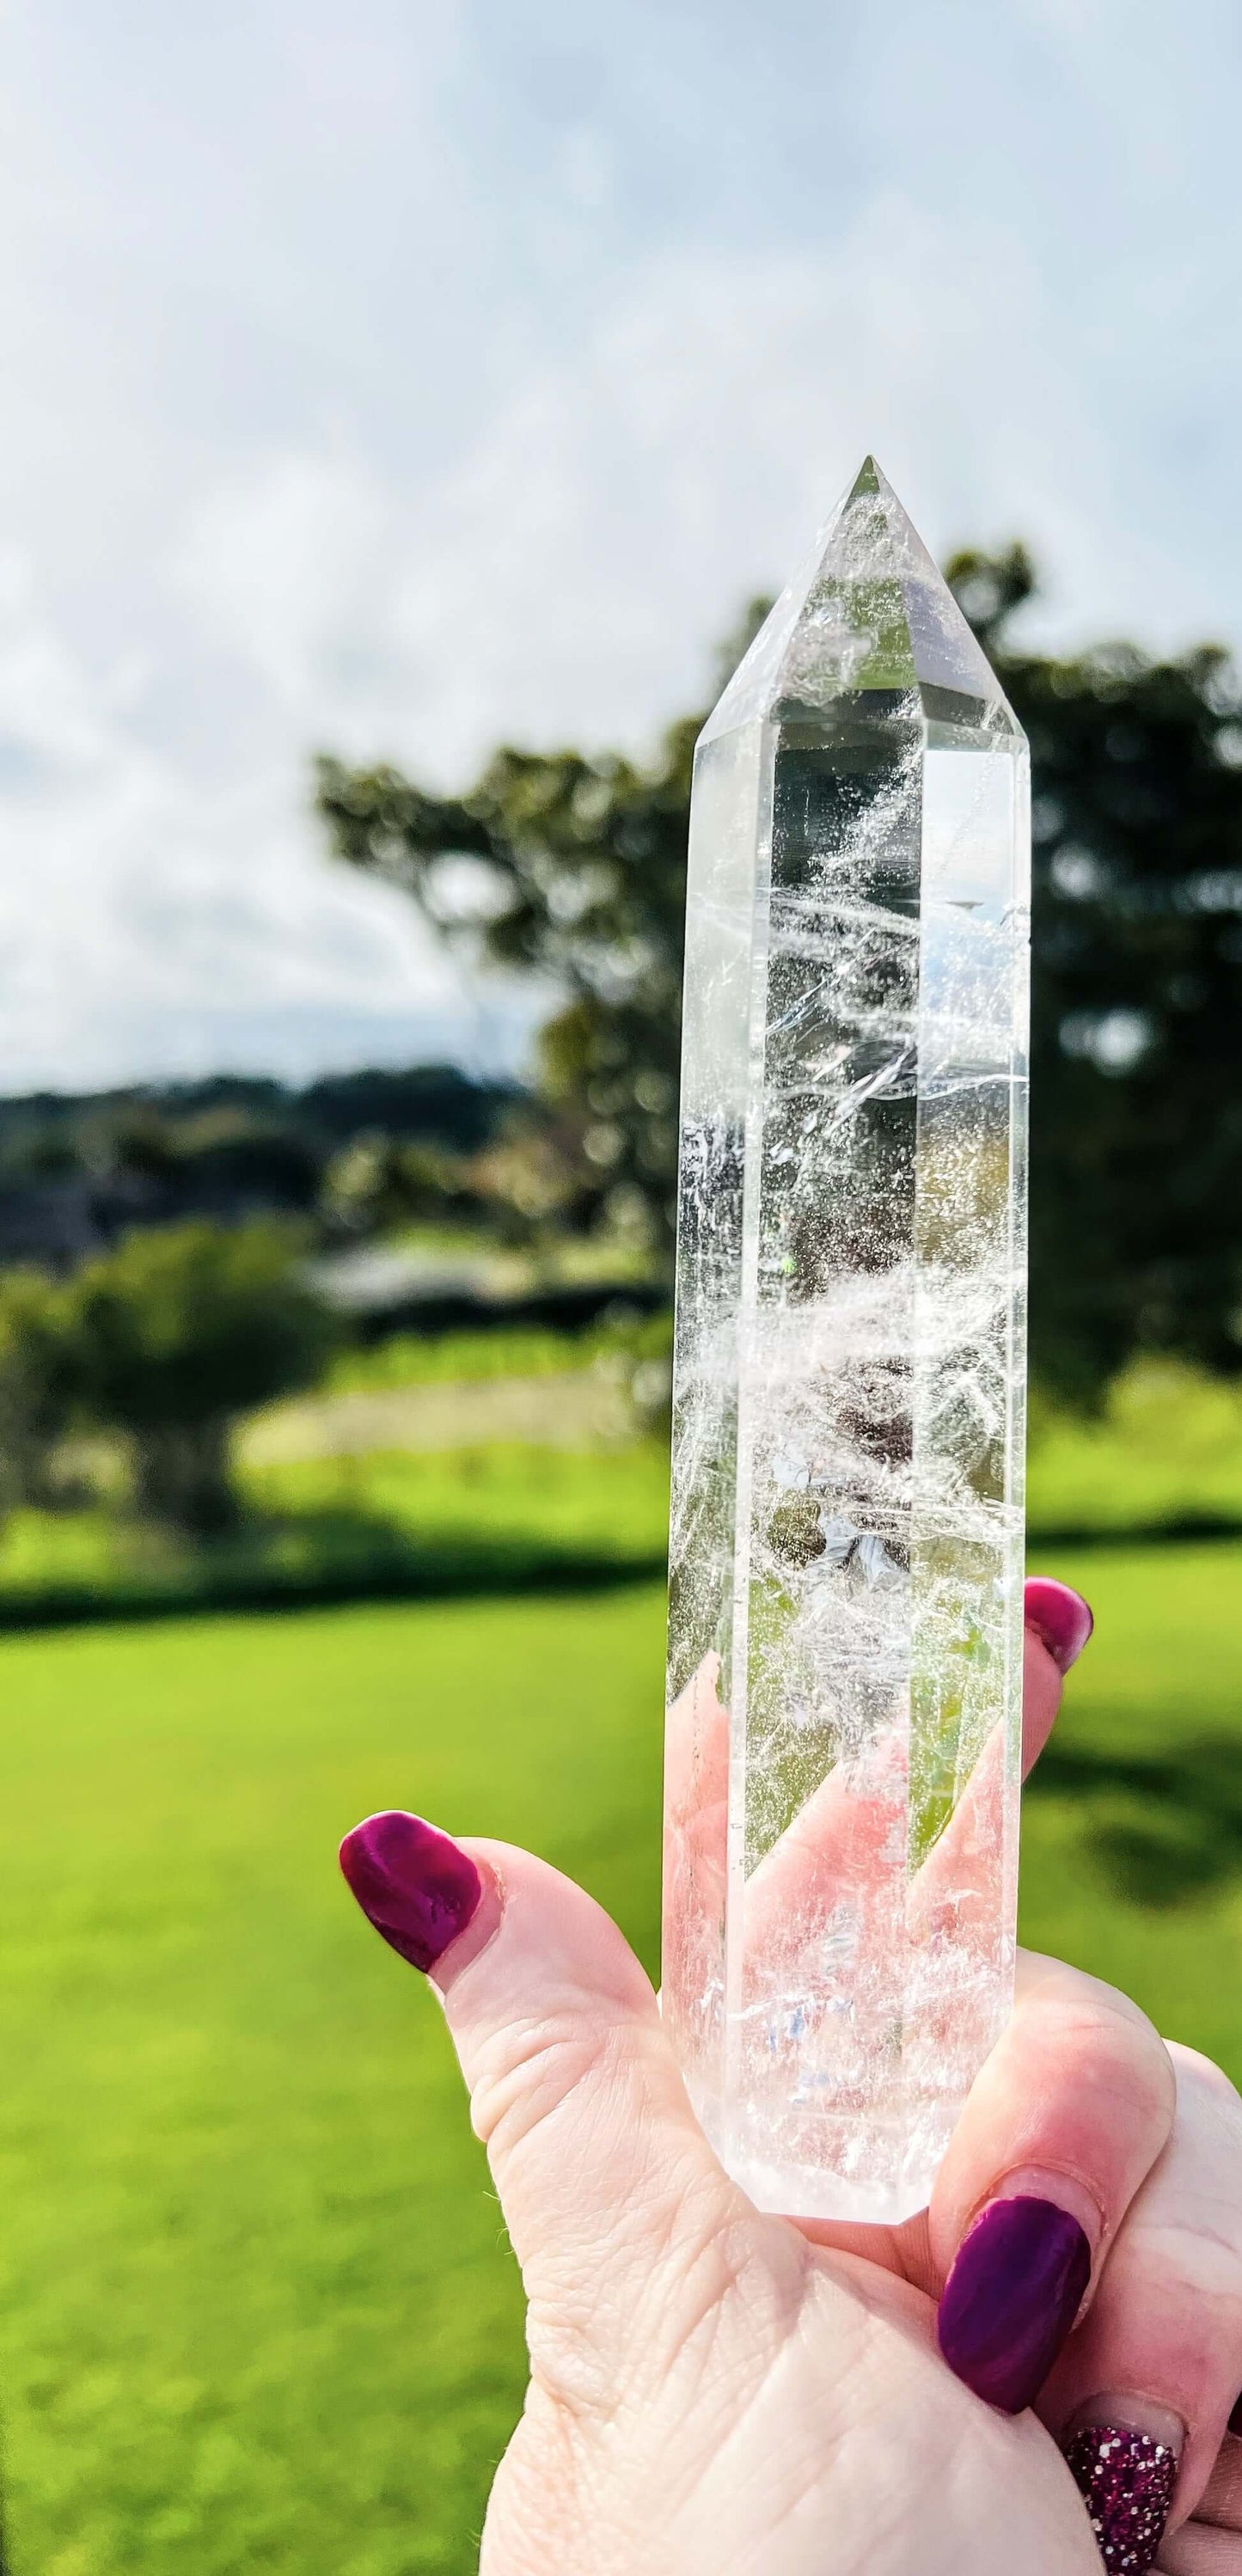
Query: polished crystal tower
x=845 y=1627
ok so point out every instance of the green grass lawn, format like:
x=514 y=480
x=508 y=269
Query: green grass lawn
x=425 y=1523
x=514 y=1350
x=614 y=1502
x=1166 y=1448
x=257 y=2310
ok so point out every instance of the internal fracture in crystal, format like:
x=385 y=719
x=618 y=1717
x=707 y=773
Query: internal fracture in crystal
x=845 y=1623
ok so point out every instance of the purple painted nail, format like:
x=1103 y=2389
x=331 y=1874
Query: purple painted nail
x=1011 y=2298
x=412 y=1882
x=1061 y=1617
x=1127 y=2480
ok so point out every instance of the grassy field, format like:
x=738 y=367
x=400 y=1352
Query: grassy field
x=1165 y=1449
x=478 y=1463
x=524 y=1351
x=257 y=2311
x=431 y=1523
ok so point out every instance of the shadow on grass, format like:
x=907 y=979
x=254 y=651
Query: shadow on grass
x=1173 y=1528
x=1162 y=1830
x=334 y=1554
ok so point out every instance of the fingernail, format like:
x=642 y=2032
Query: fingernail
x=413 y=1883
x=1235 y=2420
x=1060 y=1617
x=1126 y=2478
x=1014 y=2291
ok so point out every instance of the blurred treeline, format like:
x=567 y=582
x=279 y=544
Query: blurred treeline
x=77 y=1172
x=574 y=867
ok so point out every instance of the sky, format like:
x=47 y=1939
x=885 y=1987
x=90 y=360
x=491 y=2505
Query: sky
x=404 y=376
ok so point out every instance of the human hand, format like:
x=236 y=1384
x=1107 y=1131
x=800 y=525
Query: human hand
x=716 y=2392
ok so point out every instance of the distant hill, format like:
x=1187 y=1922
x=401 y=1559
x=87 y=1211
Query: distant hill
x=79 y=1168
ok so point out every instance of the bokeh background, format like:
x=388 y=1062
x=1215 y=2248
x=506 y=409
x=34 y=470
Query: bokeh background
x=406 y=409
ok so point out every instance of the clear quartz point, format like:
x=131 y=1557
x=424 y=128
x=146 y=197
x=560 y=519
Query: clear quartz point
x=845 y=1626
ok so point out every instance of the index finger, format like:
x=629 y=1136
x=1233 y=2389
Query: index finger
x=832 y=1842
x=1057 y=1624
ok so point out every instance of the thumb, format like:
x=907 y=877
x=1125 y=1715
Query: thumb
x=574 y=2091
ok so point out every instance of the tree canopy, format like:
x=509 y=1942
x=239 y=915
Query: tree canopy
x=574 y=868
x=178 y=1331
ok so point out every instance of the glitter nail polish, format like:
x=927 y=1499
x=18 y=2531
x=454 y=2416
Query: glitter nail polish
x=1127 y=2481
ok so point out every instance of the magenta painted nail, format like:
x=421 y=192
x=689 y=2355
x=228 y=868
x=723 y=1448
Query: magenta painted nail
x=1011 y=2298
x=1061 y=1617
x=1127 y=2481
x=413 y=1883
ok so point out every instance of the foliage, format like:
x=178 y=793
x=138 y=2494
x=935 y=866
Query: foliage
x=218 y=1155
x=39 y=1381
x=513 y=1351
x=436 y=1104
x=580 y=875
x=574 y=869
x=537 y=1186
x=1136 y=1178
x=77 y=1171
x=428 y=1104
x=179 y=1331
x=377 y=1185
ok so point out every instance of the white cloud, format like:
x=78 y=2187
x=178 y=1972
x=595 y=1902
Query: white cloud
x=609 y=520
x=403 y=378
x=147 y=926
x=286 y=563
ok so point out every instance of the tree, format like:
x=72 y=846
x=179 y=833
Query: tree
x=376 y=1185
x=182 y=1329
x=1136 y=1059
x=522 y=1188
x=39 y=1383
x=577 y=871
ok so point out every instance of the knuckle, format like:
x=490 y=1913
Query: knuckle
x=1197 y=2074
x=1051 y=1986
x=1115 y=2065
x=1135 y=2064
x=570 y=2345
x=1108 y=2043
x=1092 y=2072
x=531 y=2068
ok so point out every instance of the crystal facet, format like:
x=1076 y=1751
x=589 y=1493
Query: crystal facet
x=845 y=1624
